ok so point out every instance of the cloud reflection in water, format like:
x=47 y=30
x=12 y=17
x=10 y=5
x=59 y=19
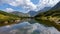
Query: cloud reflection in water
x=27 y=28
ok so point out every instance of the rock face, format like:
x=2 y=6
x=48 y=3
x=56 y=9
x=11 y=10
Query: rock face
x=56 y=6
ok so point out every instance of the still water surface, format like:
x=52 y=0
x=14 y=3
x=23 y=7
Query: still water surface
x=28 y=26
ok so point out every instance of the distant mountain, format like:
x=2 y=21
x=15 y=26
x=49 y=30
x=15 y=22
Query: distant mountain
x=17 y=13
x=56 y=6
x=45 y=9
x=29 y=14
x=32 y=13
x=20 y=14
x=54 y=9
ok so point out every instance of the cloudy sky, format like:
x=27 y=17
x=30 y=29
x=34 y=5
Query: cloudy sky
x=26 y=5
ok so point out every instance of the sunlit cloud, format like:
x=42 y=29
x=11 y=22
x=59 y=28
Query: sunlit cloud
x=9 y=10
x=27 y=5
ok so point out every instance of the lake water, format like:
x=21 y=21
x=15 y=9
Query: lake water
x=28 y=26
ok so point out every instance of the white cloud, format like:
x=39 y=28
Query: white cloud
x=28 y=5
x=46 y=3
x=52 y=2
x=16 y=2
x=9 y=10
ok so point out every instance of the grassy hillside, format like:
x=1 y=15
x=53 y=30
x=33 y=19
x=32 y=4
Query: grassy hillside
x=7 y=18
x=55 y=12
x=51 y=15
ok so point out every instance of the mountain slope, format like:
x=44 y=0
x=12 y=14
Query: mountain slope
x=52 y=16
x=20 y=14
x=43 y=10
x=56 y=6
x=7 y=18
x=54 y=10
x=32 y=13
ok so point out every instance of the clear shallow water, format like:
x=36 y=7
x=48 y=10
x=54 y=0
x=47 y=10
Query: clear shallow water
x=25 y=27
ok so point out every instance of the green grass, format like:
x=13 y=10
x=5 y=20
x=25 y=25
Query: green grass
x=7 y=17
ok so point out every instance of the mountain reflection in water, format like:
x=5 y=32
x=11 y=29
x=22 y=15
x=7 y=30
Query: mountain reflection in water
x=28 y=27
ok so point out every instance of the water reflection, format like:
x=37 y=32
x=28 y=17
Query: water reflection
x=25 y=27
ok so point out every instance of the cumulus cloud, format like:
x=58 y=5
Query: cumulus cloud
x=27 y=28
x=9 y=10
x=52 y=2
x=46 y=3
x=28 y=5
x=15 y=2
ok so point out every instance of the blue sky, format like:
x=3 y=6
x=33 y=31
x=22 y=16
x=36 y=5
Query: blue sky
x=35 y=1
x=26 y=5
